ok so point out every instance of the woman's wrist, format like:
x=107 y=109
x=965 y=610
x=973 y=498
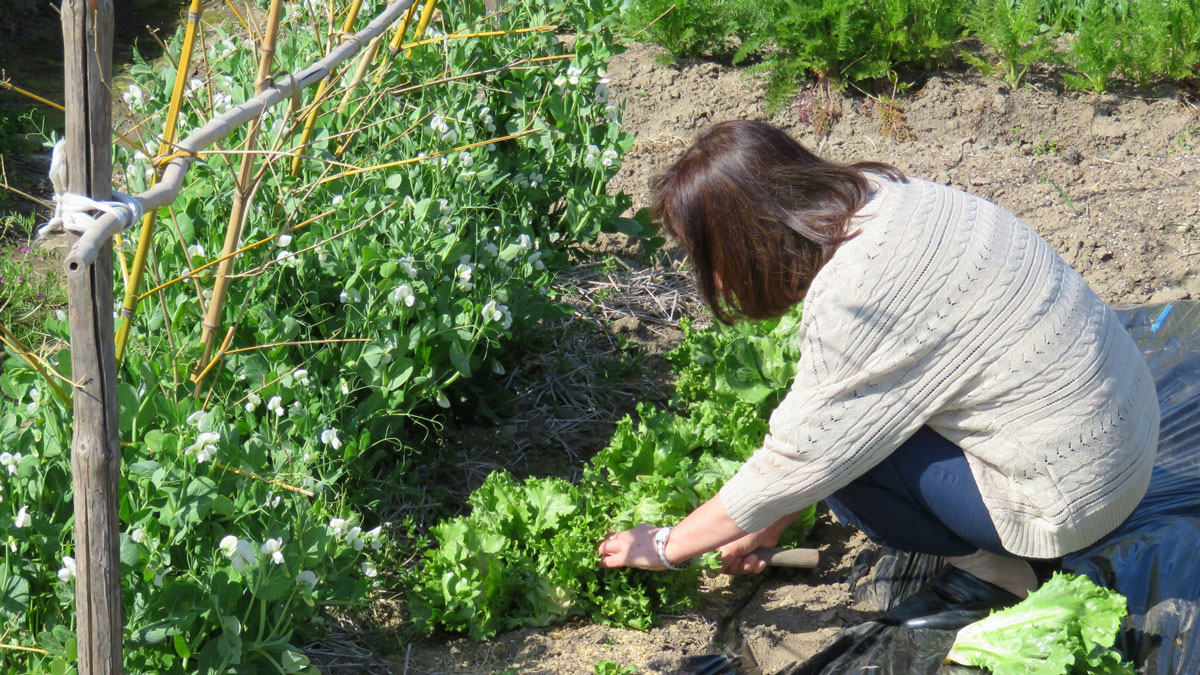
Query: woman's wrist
x=662 y=540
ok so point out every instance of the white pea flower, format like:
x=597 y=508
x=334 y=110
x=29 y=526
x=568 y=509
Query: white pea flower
x=535 y=179
x=375 y=537
x=23 y=517
x=337 y=200
x=273 y=501
x=133 y=96
x=608 y=157
x=464 y=272
x=525 y=241
x=409 y=268
x=67 y=571
x=573 y=74
x=442 y=400
x=301 y=376
x=369 y=570
x=492 y=249
x=160 y=576
x=239 y=551
x=403 y=294
x=345 y=388
x=354 y=538
x=205 y=447
x=350 y=295
x=490 y=313
x=196 y=251
x=196 y=419
x=330 y=437
x=465 y=159
x=503 y=309
x=276 y=405
x=252 y=401
x=283 y=240
x=307 y=577
x=194 y=84
x=138 y=535
x=338 y=526
x=272 y=548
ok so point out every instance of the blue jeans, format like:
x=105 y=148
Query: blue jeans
x=922 y=499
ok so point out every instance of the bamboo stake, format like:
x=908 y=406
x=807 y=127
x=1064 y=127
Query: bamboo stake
x=238 y=252
x=426 y=15
x=318 y=99
x=432 y=155
x=241 y=198
x=360 y=71
x=95 y=445
x=86 y=250
x=394 y=45
x=33 y=360
x=146 y=240
x=59 y=107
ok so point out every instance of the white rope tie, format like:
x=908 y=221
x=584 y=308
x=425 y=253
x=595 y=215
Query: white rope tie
x=73 y=212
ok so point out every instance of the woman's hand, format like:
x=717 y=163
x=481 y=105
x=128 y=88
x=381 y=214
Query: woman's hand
x=738 y=557
x=631 y=548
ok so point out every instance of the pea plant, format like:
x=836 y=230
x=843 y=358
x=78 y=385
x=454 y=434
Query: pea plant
x=414 y=244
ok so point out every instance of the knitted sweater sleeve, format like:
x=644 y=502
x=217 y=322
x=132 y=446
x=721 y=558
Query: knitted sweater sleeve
x=863 y=386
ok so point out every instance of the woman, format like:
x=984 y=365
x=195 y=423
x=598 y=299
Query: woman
x=961 y=391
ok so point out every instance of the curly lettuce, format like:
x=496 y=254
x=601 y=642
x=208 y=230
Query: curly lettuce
x=1068 y=625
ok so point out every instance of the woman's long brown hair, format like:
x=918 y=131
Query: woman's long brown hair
x=759 y=215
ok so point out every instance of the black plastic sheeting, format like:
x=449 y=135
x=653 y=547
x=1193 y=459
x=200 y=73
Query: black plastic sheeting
x=1153 y=558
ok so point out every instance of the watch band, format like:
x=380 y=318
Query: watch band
x=660 y=547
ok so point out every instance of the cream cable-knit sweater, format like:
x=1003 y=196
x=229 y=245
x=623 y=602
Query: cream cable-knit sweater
x=948 y=311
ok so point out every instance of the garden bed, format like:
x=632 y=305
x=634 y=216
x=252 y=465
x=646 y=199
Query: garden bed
x=1110 y=181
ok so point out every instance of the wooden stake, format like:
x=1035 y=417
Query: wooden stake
x=95 y=445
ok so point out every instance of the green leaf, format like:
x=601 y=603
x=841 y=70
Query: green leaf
x=14 y=594
x=274 y=589
x=129 y=551
x=181 y=647
x=460 y=359
x=1067 y=626
x=198 y=499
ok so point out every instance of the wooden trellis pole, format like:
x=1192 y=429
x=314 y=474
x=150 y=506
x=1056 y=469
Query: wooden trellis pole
x=95 y=444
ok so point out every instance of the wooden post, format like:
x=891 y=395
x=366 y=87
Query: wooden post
x=95 y=445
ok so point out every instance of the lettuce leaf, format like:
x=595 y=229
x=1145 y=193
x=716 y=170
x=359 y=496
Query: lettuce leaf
x=1068 y=625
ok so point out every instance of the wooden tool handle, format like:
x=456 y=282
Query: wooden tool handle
x=789 y=557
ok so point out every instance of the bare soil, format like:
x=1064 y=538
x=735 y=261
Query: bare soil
x=1112 y=182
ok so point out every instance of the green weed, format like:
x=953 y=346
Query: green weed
x=31 y=287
